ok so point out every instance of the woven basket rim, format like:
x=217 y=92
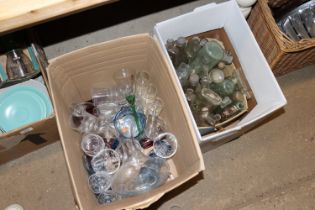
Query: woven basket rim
x=284 y=42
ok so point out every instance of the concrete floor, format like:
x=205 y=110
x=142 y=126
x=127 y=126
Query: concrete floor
x=270 y=167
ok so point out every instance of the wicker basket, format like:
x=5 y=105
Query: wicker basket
x=282 y=53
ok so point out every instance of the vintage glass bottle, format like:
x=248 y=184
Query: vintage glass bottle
x=209 y=55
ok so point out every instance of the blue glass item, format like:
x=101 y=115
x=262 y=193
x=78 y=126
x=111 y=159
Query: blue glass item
x=3 y=75
x=112 y=143
x=108 y=197
x=21 y=105
x=152 y=154
x=150 y=176
x=125 y=120
x=99 y=182
x=33 y=58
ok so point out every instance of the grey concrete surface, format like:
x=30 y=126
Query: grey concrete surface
x=270 y=167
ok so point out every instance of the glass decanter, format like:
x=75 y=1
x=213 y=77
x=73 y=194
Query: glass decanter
x=138 y=173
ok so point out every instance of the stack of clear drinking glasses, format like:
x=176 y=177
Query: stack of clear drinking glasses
x=125 y=141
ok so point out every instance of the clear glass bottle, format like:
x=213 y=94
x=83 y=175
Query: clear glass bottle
x=193 y=80
x=193 y=45
x=216 y=75
x=225 y=88
x=183 y=72
x=210 y=96
x=231 y=110
x=18 y=65
x=227 y=58
x=125 y=180
x=181 y=56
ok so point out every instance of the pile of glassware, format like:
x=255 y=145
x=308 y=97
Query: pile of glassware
x=124 y=139
x=213 y=86
x=299 y=22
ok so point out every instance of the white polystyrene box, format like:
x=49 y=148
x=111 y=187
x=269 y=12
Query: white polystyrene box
x=227 y=15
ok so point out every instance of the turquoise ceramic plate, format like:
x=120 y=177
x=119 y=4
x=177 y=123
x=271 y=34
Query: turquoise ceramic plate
x=21 y=105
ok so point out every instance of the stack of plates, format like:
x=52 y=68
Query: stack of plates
x=23 y=104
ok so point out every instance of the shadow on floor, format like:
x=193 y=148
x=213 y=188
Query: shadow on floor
x=98 y=18
x=84 y=22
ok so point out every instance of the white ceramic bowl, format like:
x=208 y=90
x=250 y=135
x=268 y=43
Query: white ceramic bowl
x=246 y=3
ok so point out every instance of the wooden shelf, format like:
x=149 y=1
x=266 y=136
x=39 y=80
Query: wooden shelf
x=18 y=14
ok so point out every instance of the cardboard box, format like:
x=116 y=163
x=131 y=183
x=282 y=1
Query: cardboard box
x=71 y=78
x=262 y=82
x=27 y=138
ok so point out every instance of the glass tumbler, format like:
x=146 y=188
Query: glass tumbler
x=82 y=118
x=101 y=95
x=148 y=96
x=91 y=144
x=142 y=79
x=108 y=197
x=165 y=145
x=18 y=65
x=99 y=182
x=124 y=79
x=154 y=126
x=107 y=160
x=155 y=107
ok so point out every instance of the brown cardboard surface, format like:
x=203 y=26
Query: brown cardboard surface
x=18 y=144
x=71 y=78
x=27 y=138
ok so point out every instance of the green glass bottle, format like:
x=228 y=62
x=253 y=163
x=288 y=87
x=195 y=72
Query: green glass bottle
x=210 y=55
x=225 y=88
